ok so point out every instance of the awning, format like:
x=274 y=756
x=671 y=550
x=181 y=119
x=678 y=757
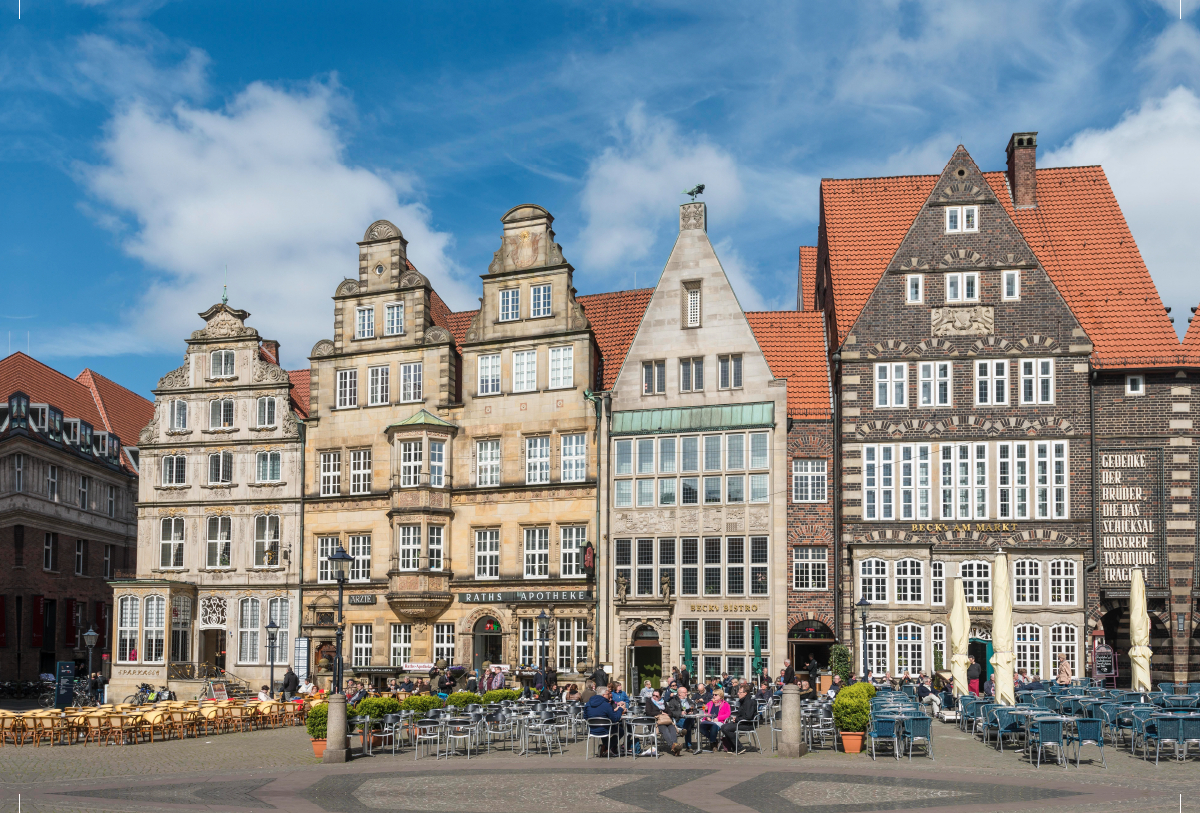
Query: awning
x=694 y=419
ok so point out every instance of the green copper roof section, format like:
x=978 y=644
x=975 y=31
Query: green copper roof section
x=422 y=418
x=693 y=419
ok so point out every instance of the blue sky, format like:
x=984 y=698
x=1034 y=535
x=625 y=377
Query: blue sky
x=147 y=144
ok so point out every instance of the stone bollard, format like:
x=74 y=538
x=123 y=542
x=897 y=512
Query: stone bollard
x=335 y=731
x=790 y=741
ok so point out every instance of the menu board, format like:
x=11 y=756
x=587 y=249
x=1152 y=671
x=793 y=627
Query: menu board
x=1131 y=532
x=1104 y=664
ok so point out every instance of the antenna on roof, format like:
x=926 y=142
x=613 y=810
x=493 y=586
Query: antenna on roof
x=225 y=288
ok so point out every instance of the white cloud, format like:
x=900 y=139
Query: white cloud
x=632 y=188
x=1149 y=157
x=740 y=273
x=263 y=185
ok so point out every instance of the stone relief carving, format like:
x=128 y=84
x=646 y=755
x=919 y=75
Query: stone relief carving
x=291 y=428
x=691 y=216
x=644 y=522
x=347 y=286
x=149 y=432
x=554 y=253
x=381 y=230
x=524 y=251
x=712 y=521
x=914 y=264
x=223 y=324
x=759 y=519
x=689 y=521
x=265 y=371
x=435 y=335
x=735 y=523
x=473 y=331
x=322 y=348
x=977 y=321
x=175 y=379
x=622 y=588
x=497 y=263
x=212 y=612
x=961 y=256
x=578 y=320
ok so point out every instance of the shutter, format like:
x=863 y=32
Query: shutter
x=37 y=621
x=70 y=625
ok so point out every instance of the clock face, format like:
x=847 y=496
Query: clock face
x=379 y=270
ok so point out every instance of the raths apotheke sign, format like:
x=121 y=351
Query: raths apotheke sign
x=518 y=596
x=1131 y=532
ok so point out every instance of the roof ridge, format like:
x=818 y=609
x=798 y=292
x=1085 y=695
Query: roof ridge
x=91 y=387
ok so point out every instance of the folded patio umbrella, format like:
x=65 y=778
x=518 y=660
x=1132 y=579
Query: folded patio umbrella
x=1002 y=631
x=960 y=635
x=1139 y=632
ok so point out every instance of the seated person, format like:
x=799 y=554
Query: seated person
x=716 y=713
x=806 y=691
x=600 y=705
x=678 y=708
x=927 y=696
x=747 y=712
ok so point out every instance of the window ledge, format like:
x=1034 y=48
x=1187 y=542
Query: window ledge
x=343 y=408
x=401 y=335
x=218 y=569
x=263 y=428
x=226 y=430
x=173 y=488
x=268 y=485
x=570 y=386
x=173 y=432
x=220 y=485
x=363 y=338
x=222 y=380
x=267 y=568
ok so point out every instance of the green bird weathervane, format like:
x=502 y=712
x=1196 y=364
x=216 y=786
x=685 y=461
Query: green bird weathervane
x=698 y=189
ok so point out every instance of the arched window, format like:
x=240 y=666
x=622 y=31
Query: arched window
x=266 y=412
x=910 y=649
x=876 y=646
x=127 y=629
x=873 y=580
x=220 y=413
x=155 y=630
x=1062 y=581
x=174 y=470
x=1064 y=638
x=977 y=583
x=1027 y=581
x=1029 y=648
x=279 y=611
x=910 y=582
x=938 y=639
x=248 y=626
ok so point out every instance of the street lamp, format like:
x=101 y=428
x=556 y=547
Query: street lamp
x=341 y=562
x=89 y=639
x=543 y=635
x=863 y=605
x=272 y=632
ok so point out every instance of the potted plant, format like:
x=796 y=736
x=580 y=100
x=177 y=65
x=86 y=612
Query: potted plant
x=421 y=703
x=851 y=713
x=317 y=726
x=462 y=699
x=498 y=695
x=376 y=708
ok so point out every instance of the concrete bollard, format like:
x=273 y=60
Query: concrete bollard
x=335 y=731
x=790 y=741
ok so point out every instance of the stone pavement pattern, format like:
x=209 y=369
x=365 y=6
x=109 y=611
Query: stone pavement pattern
x=275 y=770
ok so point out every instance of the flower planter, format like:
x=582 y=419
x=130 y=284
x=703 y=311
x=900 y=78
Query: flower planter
x=318 y=748
x=852 y=742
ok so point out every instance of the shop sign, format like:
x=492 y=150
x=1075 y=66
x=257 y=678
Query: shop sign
x=361 y=598
x=374 y=670
x=723 y=608
x=1130 y=532
x=528 y=596
x=416 y=667
x=965 y=527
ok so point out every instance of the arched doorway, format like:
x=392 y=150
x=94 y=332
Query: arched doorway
x=806 y=640
x=489 y=643
x=1116 y=635
x=644 y=658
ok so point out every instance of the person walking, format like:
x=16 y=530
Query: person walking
x=974 y=670
x=1064 y=670
x=814 y=672
x=291 y=684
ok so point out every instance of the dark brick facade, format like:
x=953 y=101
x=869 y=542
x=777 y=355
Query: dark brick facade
x=810 y=528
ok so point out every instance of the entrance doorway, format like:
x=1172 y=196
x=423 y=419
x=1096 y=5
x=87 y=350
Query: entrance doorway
x=214 y=647
x=981 y=651
x=489 y=643
x=1116 y=635
x=806 y=640
x=645 y=659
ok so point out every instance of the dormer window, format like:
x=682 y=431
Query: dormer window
x=539 y=301
x=39 y=416
x=18 y=410
x=54 y=424
x=961 y=219
x=100 y=444
x=365 y=323
x=71 y=431
x=221 y=364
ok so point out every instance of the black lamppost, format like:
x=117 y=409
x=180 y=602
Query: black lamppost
x=543 y=636
x=272 y=632
x=863 y=605
x=89 y=639
x=341 y=561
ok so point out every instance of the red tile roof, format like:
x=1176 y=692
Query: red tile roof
x=124 y=412
x=794 y=345
x=615 y=317
x=808 y=274
x=457 y=323
x=439 y=311
x=301 y=380
x=1191 y=340
x=1077 y=232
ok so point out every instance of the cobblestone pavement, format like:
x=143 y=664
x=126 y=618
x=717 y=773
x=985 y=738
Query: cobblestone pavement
x=275 y=770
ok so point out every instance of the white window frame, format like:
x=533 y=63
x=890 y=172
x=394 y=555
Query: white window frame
x=810 y=568
x=937 y=583
x=991 y=382
x=362 y=641
x=536 y=552
x=435 y=546
x=171 y=540
x=873 y=580
x=937 y=644
x=437 y=463
x=1051 y=478
x=487 y=553
x=279 y=610
x=810 y=481
x=572 y=541
x=379 y=385
x=654 y=377
x=174 y=472
x=936 y=388
x=360 y=549
x=910 y=649
x=562 y=367
x=897 y=482
x=129 y=617
x=412 y=382
x=487 y=463
x=510 y=304
x=1135 y=385
x=537 y=460
x=489 y=374
x=154 y=633
x=1029 y=648
x=910 y=581
x=891 y=385
x=1012 y=480
x=957 y=218
x=694 y=305
x=401 y=644
x=265 y=412
x=331 y=474
x=957 y=285
x=528 y=641
x=1014 y=277
x=1037 y=381
x=977 y=582
x=220 y=413
x=875 y=647
x=914 y=289
x=224 y=469
x=965 y=480
x=347 y=389
x=539 y=301
x=222 y=364
x=1063 y=583
x=326 y=545
x=1064 y=638
x=443 y=642
x=266 y=541
x=412 y=460
x=268 y=467
x=52 y=477
x=177 y=413
x=409 y=548
x=393 y=319
x=218 y=548
x=524 y=370
x=364 y=322
x=360 y=471
x=249 y=623
x=573 y=458
x=1027 y=582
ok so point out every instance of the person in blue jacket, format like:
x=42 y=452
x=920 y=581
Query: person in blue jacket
x=600 y=705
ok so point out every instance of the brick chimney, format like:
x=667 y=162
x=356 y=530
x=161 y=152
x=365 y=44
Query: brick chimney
x=270 y=350
x=1022 y=168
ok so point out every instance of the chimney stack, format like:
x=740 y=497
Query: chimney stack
x=1022 y=168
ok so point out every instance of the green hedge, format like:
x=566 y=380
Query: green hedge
x=421 y=703
x=462 y=699
x=318 y=721
x=498 y=695
x=376 y=707
x=852 y=707
x=839 y=661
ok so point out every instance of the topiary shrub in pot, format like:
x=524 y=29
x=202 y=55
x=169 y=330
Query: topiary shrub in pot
x=317 y=726
x=839 y=662
x=377 y=707
x=851 y=713
x=500 y=695
x=421 y=703
x=462 y=699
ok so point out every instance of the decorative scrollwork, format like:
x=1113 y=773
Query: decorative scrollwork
x=176 y=379
x=347 y=286
x=322 y=348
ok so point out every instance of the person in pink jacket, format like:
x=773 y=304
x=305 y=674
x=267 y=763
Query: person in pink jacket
x=716 y=712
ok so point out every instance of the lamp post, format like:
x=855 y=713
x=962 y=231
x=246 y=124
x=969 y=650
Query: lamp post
x=543 y=636
x=89 y=639
x=341 y=562
x=863 y=605
x=272 y=632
